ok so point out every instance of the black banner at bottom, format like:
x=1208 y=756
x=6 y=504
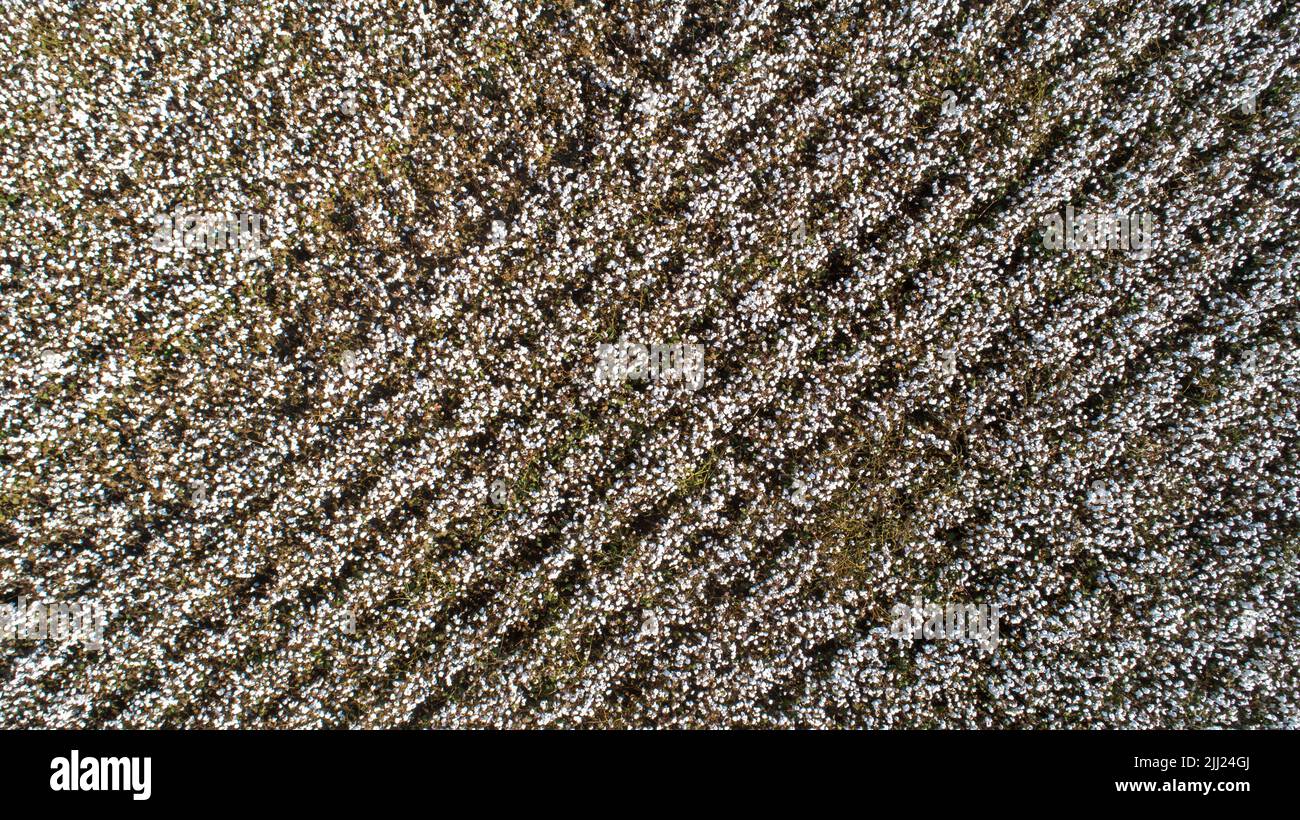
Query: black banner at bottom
x=140 y=771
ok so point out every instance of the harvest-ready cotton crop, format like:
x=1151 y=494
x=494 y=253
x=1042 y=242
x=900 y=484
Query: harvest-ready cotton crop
x=402 y=363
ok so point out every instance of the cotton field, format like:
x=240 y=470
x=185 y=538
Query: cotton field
x=472 y=363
